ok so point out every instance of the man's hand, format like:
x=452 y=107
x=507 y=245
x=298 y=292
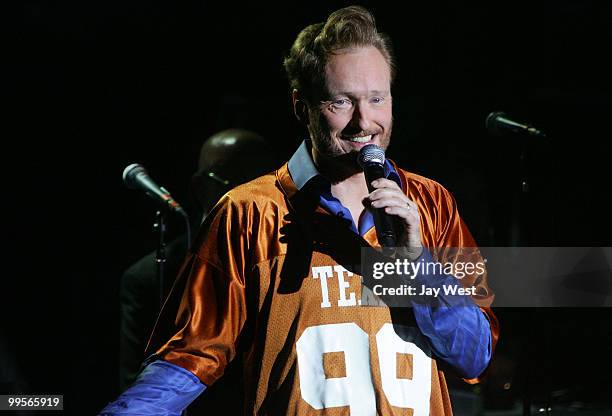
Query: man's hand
x=389 y=196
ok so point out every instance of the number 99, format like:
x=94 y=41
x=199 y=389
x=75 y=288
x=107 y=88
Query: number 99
x=356 y=390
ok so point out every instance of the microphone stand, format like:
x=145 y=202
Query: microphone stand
x=523 y=235
x=519 y=235
x=160 y=258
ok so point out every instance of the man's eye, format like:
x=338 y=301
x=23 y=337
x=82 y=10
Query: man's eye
x=341 y=103
x=377 y=100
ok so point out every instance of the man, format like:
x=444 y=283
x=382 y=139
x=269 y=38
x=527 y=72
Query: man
x=267 y=279
x=139 y=293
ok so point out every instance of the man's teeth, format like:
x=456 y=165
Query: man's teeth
x=363 y=139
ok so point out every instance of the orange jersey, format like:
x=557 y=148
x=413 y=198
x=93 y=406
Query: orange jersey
x=270 y=279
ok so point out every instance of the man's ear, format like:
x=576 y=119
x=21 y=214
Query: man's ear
x=300 y=109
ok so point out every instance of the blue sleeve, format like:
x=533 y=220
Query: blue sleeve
x=456 y=328
x=162 y=389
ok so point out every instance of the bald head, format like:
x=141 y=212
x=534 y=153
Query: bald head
x=225 y=148
x=227 y=159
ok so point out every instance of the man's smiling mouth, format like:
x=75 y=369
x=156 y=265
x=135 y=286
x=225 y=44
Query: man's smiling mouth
x=362 y=139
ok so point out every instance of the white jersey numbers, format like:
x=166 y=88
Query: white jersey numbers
x=403 y=392
x=356 y=388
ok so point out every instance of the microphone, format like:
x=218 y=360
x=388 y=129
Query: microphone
x=372 y=160
x=497 y=122
x=135 y=176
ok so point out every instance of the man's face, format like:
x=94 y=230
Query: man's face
x=355 y=105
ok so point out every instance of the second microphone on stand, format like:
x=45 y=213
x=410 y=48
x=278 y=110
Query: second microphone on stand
x=136 y=176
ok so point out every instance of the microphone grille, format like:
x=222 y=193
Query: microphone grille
x=371 y=153
x=130 y=172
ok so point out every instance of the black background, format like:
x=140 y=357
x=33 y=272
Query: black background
x=91 y=86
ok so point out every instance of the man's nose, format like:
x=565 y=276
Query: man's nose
x=361 y=118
